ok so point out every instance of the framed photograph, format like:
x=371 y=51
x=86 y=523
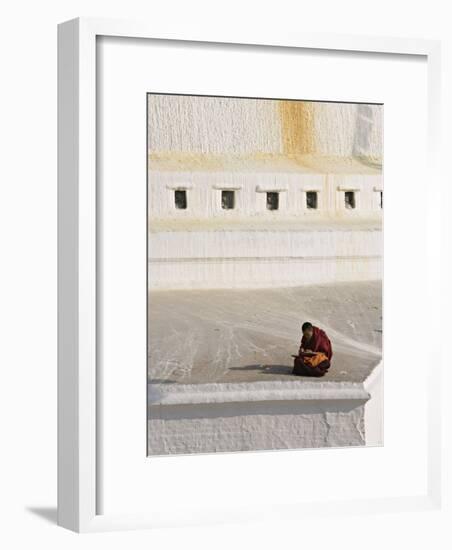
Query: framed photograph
x=235 y=279
x=264 y=238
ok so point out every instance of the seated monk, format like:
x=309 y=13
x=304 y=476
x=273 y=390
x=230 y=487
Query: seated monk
x=315 y=352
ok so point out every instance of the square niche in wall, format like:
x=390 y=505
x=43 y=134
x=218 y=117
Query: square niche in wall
x=311 y=200
x=272 y=200
x=180 y=199
x=350 y=200
x=227 y=200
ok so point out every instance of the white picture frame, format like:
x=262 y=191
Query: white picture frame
x=79 y=470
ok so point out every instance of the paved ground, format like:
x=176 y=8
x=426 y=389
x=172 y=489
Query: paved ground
x=208 y=336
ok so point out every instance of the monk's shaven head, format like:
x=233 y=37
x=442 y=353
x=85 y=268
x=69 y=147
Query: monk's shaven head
x=307 y=330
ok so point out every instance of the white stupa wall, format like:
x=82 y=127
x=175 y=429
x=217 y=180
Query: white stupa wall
x=265 y=244
x=259 y=273
x=204 y=189
x=266 y=425
x=203 y=146
x=192 y=125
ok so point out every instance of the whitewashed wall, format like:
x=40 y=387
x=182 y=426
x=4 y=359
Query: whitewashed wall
x=203 y=145
x=240 y=126
x=203 y=191
x=256 y=259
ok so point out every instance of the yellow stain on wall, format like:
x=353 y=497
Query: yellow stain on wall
x=297 y=127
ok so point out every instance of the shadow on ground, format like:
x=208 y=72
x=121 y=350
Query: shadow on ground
x=45 y=512
x=266 y=369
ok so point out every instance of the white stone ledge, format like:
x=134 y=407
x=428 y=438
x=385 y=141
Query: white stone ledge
x=263 y=259
x=317 y=188
x=227 y=187
x=179 y=186
x=350 y=187
x=271 y=188
x=296 y=390
x=364 y=222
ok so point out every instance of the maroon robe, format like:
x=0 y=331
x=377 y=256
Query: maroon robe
x=319 y=342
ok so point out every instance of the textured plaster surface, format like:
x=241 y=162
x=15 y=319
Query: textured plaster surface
x=269 y=225
x=203 y=191
x=297 y=164
x=233 y=427
x=261 y=258
x=242 y=126
x=233 y=336
x=201 y=146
